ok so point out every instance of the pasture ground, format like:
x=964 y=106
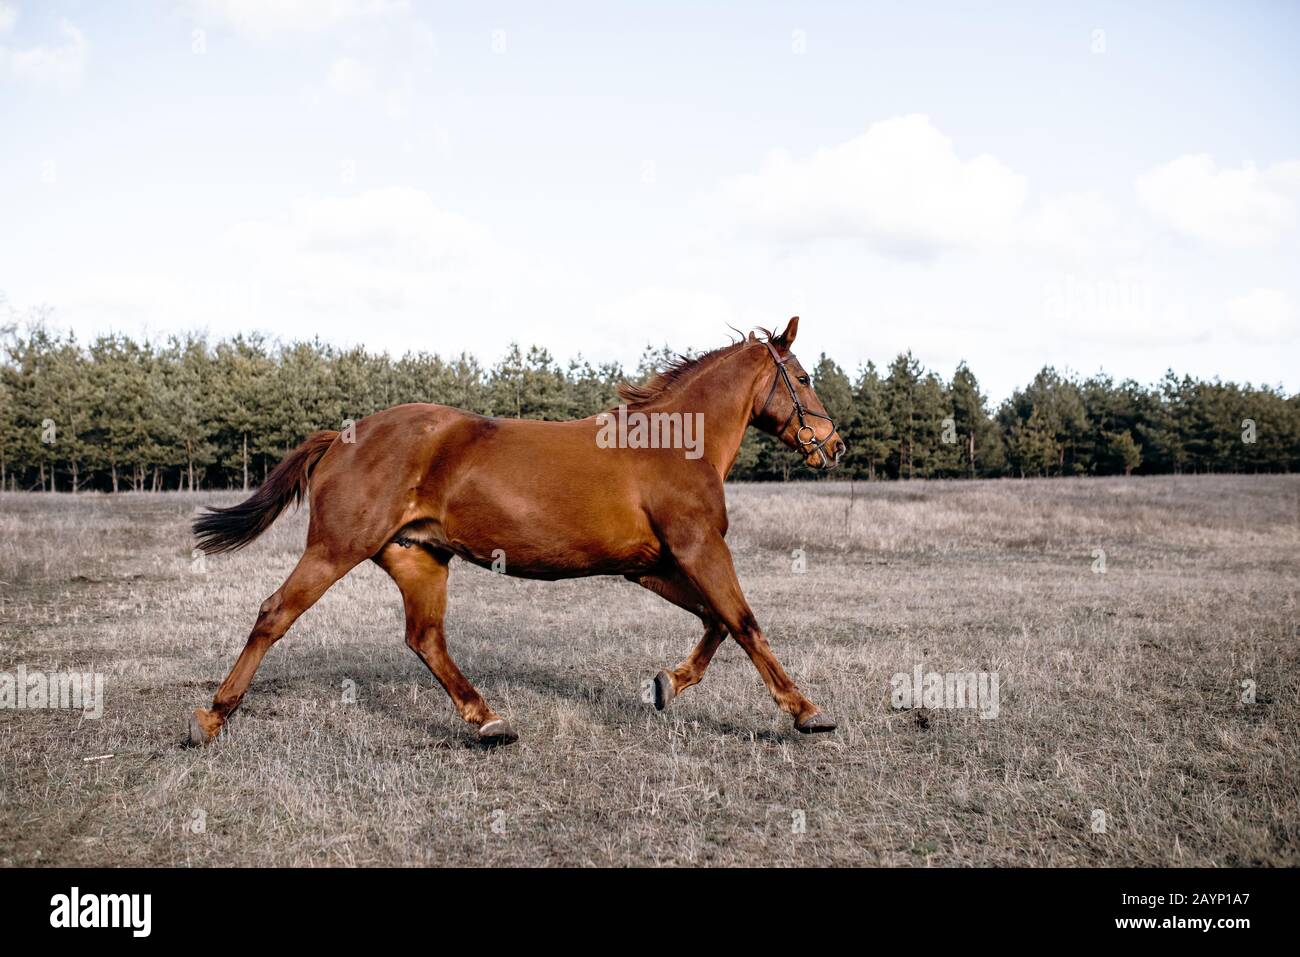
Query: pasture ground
x=1120 y=692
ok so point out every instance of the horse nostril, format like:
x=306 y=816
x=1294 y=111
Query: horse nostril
x=840 y=449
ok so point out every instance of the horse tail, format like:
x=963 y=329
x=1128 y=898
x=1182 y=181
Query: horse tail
x=227 y=529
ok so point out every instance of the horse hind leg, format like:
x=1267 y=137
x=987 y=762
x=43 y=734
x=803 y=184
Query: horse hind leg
x=421 y=574
x=315 y=572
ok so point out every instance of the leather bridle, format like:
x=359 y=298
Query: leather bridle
x=805 y=446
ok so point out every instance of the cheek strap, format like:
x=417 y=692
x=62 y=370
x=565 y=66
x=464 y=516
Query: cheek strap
x=808 y=445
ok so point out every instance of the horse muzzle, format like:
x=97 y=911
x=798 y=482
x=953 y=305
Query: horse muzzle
x=822 y=455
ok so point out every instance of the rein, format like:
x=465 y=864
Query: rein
x=805 y=446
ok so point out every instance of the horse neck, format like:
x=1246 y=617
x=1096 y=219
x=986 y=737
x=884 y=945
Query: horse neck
x=726 y=395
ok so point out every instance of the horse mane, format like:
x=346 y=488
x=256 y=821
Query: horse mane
x=677 y=370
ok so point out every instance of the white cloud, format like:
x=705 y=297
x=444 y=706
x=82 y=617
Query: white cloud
x=903 y=189
x=1262 y=314
x=317 y=263
x=61 y=64
x=8 y=16
x=263 y=17
x=374 y=251
x=354 y=79
x=350 y=77
x=900 y=186
x=662 y=314
x=1235 y=207
x=390 y=268
x=1072 y=225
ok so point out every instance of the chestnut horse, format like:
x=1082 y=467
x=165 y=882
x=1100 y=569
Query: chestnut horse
x=418 y=484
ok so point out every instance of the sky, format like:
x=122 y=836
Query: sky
x=1094 y=186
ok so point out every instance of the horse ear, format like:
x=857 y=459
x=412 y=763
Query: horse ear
x=752 y=337
x=786 y=337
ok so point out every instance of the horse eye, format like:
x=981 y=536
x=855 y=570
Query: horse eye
x=803 y=379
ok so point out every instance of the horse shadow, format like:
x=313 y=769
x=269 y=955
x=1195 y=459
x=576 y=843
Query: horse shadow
x=615 y=706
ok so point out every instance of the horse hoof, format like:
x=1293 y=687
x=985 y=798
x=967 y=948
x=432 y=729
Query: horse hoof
x=494 y=733
x=664 y=692
x=815 y=723
x=201 y=730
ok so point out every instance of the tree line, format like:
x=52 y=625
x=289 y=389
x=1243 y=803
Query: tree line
x=116 y=414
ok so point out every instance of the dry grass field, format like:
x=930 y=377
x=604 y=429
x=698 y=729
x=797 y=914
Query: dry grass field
x=1120 y=692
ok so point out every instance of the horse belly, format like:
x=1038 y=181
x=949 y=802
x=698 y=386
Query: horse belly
x=551 y=536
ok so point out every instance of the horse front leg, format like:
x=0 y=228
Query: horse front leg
x=705 y=560
x=675 y=587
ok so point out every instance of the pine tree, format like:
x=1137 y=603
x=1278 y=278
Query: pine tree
x=120 y=403
x=243 y=375
x=186 y=386
x=871 y=434
x=970 y=417
x=901 y=405
x=1124 y=450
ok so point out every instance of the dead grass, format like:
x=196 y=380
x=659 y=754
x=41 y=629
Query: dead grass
x=1119 y=691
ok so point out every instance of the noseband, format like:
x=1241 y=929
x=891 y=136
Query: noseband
x=805 y=446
